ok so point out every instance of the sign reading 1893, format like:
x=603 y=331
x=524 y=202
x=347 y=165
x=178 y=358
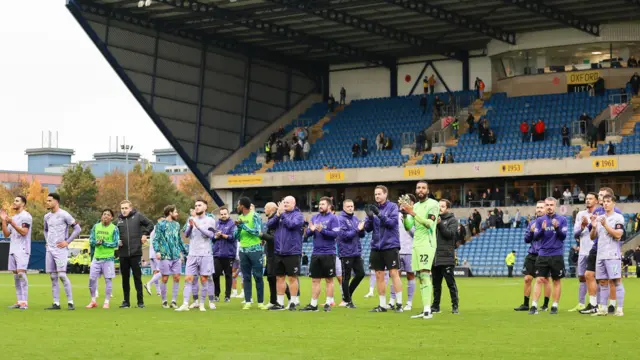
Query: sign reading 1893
x=511 y=168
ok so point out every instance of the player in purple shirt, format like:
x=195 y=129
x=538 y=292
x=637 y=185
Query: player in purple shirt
x=529 y=269
x=609 y=228
x=324 y=227
x=56 y=234
x=550 y=230
x=18 y=230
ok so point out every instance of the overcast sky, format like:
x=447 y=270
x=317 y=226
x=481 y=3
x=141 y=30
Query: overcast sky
x=52 y=77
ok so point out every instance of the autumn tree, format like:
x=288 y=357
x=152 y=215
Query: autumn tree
x=37 y=207
x=191 y=187
x=78 y=193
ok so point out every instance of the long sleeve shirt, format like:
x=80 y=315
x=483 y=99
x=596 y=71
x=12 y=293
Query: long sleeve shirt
x=349 y=236
x=324 y=241
x=288 y=235
x=167 y=241
x=200 y=235
x=551 y=238
x=384 y=227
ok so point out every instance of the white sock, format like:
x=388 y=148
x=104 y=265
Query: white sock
x=106 y=301
x=619 y=308
x=399 y=297
x=383 y=301
x=314 y=302
x=93 y=299
x=555 y=305
x=613 y=303
x=534 y=304
x=427 y=309
x=409 y=303
x=593 y=301
x=580 y=304
x=295 y=300
x=281 y=300
x=370 y=290
x=392 y=301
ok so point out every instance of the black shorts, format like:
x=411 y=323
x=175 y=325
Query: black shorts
x=322 y=266
x=550 y=266
x=286 y=265
x=529 y=267
x=382 y=260
x=591 y=261
x=223 y=265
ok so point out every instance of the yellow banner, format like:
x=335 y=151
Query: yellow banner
x=511 y=168
x=582 y=77
x=334 y=175
x=606 y=163
x=244 y=180
x=414 y=172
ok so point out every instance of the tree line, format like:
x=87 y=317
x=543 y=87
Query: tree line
x=85 y=197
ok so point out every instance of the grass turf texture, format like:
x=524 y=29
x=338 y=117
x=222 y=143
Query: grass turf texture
x=486 y=328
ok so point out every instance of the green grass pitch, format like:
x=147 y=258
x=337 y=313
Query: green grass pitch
x=486 y=328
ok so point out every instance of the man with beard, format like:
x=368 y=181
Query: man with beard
x=444 y=263
x=423 y=215
x=248 y=229
x=582 y=235
x=224 y=254
x=529 y=269
x=169 y=246
x=18 y=230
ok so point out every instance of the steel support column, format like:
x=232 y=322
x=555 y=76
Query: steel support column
x=289 y=88
x=203 y=67
x=466 y=71
x=245 y=101
x=393 y=81
x=154 y=71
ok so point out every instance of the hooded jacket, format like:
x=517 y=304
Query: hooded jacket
x=349 y=236
x=384 y=226
x=225 y=248
x=268 y=238
x=447 y=235
x=288 y=235
x=131 y=229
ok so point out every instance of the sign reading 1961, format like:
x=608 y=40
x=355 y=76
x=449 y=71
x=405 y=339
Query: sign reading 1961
x=511 y=168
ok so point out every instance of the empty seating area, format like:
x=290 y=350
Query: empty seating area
x=505 y=116
x=369 y=117
x=629 y=144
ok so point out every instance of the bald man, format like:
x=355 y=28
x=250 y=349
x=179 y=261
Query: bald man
x=287 y=224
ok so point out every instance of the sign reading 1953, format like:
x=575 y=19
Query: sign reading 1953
x=511 y=168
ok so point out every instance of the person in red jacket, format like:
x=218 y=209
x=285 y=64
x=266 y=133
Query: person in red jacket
x=524 y=129
x=540 y=129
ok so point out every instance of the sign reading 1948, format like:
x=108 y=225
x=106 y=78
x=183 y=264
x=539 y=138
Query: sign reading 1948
x=511 y=168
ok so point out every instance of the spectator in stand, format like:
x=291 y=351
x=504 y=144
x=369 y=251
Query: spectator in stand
x=343 y=96
x=517 y=219
x=635 y=83
x=380 y=141
x=442 y=160
x=470 y=122
x=298 y=150
x=355 y=150
x=479 y=86
x=524 y=129
x=565 y=136
x=437 y=107
x=557 y=193
x=632 y=62
x=420 y=138
x=278 y=149
x=302 y=134
x=592 y=131
x=470 y=197
x=540 y=127
x=491 y=136
x=423 y=104
x=492 y=219
x=455 y=125
x=305 y=150
x=611 y=149
x=576 y=191
x=286 y=148
x=531 y=195
x=425 y=84
x=477 y=220
x=450 y=159
x=267 y=151
x=434 y=159
x=481 y=129
x=280 y=133
x=364 y=146
x=432 y=84
x=568 y=199
x=532 y=132
x=581 y=197
x=388 y=144
x=506 y=220
x=332 y=103
x=499 y=197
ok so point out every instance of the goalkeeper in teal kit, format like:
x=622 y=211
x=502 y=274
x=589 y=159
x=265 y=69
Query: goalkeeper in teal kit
x=424 y=216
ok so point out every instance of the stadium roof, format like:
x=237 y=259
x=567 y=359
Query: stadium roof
x=340 y=31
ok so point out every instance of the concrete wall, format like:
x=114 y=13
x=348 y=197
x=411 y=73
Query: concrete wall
x=255 y=143
x=556 y=83
x=613 y=164
x=361 y=83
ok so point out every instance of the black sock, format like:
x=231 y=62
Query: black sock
x=526 y=301
x=546 y=301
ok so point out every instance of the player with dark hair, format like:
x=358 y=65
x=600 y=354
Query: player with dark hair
x=582 y=235
x=56 y=233
x=105 y=237
x=18 y=230
x=224 y=251
x=169 y=247
x=248 y=229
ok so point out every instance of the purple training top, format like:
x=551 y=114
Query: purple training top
x=56 y=228
x=20 y=245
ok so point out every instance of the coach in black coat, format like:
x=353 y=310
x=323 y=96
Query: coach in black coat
x=444 y=263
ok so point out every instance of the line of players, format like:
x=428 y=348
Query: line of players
x=599 y=230
x=282 y=235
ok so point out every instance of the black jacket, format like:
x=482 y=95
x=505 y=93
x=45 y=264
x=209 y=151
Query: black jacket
x=131 y=229
x=447 y=234
x=268 y=237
